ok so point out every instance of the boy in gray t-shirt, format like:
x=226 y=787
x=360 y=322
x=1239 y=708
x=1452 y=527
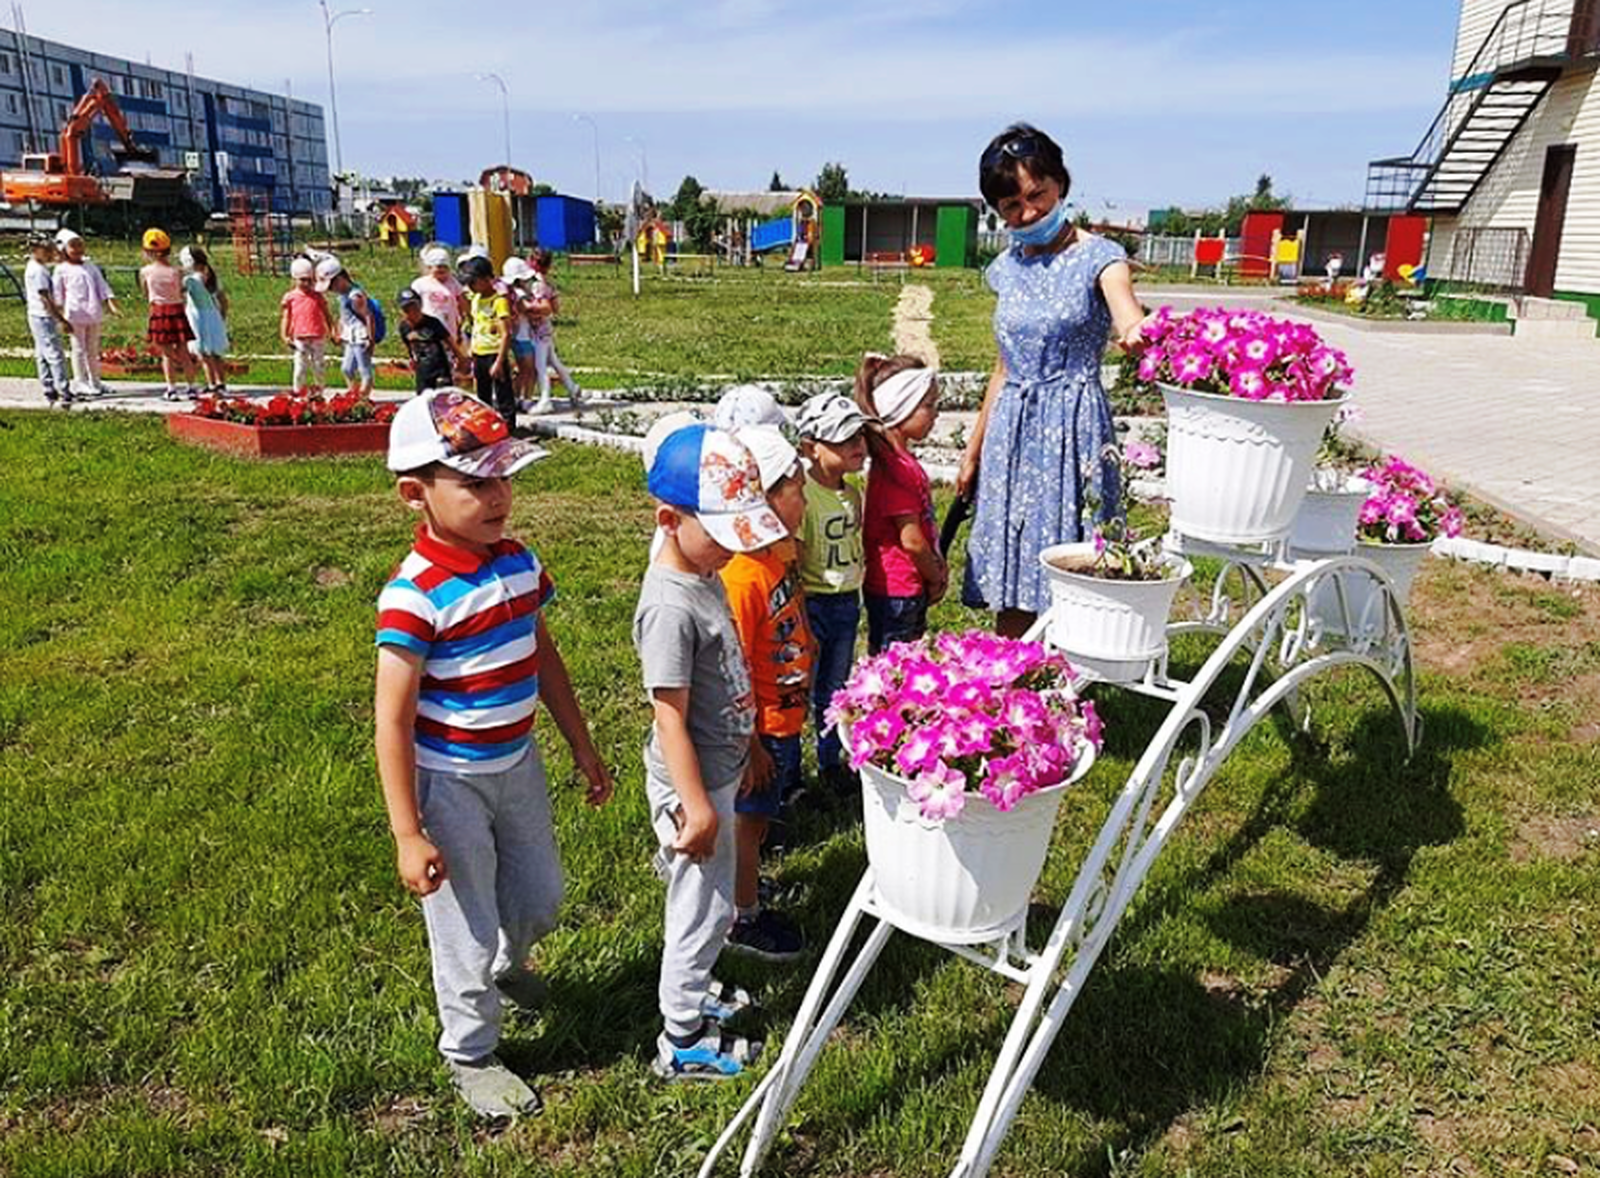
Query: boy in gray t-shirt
x=709 y=505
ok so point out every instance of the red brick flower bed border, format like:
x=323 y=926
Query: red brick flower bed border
x=278 y=441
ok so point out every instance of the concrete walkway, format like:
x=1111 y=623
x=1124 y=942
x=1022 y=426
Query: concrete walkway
x=1514 y=422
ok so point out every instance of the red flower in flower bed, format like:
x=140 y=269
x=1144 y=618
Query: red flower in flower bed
x=296 y=409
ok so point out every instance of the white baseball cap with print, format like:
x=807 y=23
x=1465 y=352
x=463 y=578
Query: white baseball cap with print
x=704 y=470
x=775 y=458
x=456 y=429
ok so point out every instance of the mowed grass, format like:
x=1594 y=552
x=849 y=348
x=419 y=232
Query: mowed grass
x=1343 y=963
x=736 y=323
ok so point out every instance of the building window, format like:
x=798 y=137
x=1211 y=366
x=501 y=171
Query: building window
x=58 y=75
x=8 y=64
x=12 y=105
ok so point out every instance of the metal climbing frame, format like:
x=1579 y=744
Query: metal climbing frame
x=1325 y=614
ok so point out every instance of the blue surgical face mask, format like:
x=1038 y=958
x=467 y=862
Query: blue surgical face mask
x=1044 y=230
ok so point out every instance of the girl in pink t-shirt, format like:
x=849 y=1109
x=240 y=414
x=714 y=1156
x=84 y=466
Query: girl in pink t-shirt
x=905 y=572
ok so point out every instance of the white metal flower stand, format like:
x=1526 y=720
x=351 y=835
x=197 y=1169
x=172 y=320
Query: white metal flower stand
x=1280 y=641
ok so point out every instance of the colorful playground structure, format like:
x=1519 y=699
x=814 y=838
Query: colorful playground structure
x=799 y=232
x=1268 y=249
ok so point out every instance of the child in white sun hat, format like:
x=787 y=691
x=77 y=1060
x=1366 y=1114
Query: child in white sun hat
x=305 y=325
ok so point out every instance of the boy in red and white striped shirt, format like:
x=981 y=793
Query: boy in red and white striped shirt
x=463 y=657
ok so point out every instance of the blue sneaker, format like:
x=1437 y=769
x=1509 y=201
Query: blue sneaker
x=713 y=1056
x=724 y=1002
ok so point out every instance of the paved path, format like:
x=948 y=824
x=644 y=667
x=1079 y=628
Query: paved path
x=1515 y=422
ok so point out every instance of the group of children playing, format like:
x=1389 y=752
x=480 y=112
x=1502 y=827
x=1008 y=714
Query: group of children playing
x=748 y=617
x=499 y=329
x=188 y=315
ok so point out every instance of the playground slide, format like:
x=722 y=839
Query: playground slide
x=771 y=235
x=797 y=256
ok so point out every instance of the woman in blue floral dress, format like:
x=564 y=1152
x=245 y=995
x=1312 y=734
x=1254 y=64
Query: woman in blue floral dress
x=1045 y=417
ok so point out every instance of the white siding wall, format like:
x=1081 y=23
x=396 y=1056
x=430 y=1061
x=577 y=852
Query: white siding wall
x=1478 y=18
x=1509 y=196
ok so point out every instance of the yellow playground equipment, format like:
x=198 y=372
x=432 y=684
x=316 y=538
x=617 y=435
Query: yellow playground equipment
x=652 y=240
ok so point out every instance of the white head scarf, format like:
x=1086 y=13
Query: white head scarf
x=898 y=397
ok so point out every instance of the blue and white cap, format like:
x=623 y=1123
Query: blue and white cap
x=702 y=469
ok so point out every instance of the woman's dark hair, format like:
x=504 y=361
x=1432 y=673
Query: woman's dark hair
x=202 y=264
x=874 y=370
x=1020 y=145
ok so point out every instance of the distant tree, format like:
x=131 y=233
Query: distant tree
x=701 y=222
x=409 y=187
x=542 y=189
x=833 y=183
x=776 y=184
x=610 y=219
x=686 y=201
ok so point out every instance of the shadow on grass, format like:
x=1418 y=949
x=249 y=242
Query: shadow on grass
x=1145 y=1043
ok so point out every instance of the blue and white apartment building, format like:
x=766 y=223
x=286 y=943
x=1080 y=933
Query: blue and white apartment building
x=268 y=145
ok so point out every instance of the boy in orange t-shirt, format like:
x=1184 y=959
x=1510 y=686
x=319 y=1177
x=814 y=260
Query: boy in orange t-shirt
x=768 y=607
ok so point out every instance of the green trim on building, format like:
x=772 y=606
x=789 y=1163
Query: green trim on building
x=956 y=236
x=1590 y=301
x=832 y=236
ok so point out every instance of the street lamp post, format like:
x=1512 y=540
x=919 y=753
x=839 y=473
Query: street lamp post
x=644 y=160
x=595 y=127
x=505 y=107
x=328 y=21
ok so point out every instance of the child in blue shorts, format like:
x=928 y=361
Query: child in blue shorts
x=769 y=611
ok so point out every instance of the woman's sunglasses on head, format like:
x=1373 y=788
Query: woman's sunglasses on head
x=1020 y=147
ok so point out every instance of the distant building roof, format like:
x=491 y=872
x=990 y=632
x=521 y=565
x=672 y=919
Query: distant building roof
x=764 y=203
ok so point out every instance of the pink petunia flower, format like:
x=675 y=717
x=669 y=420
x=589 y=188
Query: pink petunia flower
x=1249 y=383
x=1141 y=455
x=939 y=791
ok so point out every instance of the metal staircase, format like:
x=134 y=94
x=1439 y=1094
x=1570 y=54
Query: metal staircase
x=1531 y=44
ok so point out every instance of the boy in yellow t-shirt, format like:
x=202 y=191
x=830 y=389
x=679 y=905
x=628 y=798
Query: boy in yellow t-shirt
x=768 y=610
x=491 y=337
x=833 y=438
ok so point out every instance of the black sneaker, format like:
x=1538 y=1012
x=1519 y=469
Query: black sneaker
x=768 y=935
x=841 y=782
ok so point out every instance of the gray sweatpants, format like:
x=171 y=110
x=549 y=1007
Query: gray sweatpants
x=502 y=891
x=48 y=356
x=699 y=906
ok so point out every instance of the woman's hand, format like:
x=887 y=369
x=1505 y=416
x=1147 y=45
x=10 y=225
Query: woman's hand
x=967 y=474
x=1132 y=340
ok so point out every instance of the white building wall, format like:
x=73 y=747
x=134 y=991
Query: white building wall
x=1509 y=196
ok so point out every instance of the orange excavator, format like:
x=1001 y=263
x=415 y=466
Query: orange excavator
x=62 y=177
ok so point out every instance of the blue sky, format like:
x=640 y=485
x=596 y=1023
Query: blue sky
x=1158 y=102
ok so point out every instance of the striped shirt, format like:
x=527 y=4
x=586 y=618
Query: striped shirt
x=474 y=620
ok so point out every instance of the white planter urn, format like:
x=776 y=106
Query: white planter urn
x=1237 y=470
x=1328 y=517
x=1110 y=628
x=1362 y=601
x=964 y=880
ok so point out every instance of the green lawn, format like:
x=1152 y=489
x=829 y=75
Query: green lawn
x=1343 y=964
x=742 y=323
